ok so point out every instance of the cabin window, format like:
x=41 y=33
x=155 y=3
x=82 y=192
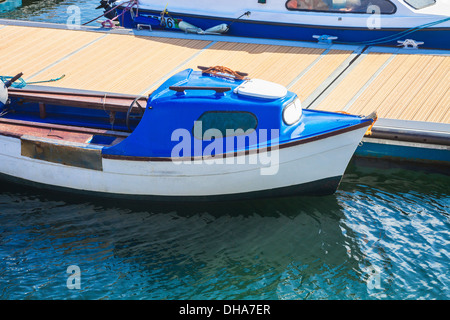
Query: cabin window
x=224 y=124
x=343 y=6
x=420 y=4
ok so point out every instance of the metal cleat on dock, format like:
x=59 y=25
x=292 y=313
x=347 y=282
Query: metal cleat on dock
x=143 y=26
x=410 y=44
x=325 y=39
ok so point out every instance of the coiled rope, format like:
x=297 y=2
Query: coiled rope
x=224 y=72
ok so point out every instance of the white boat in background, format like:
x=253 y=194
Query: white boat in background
x=361 y=22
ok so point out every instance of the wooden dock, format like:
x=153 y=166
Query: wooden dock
x=410 y=89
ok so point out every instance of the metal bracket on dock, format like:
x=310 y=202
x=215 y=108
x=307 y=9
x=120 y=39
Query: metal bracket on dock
x=410 y=44
x=325 y=38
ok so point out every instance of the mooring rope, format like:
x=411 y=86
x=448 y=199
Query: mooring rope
x=223 y=72
x=397 y=36
x=20 y=83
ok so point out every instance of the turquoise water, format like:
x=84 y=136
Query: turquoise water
x=384 y=235
x=57 y=11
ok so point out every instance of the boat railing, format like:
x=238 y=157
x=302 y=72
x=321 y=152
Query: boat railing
x=180 y=90
x=91 y=100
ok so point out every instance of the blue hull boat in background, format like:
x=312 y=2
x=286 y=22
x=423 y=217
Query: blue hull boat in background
x=355 y=22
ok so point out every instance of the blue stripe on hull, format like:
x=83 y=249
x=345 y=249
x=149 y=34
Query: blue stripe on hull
x=436 y=38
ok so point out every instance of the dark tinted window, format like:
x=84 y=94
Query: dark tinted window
x=228 y=123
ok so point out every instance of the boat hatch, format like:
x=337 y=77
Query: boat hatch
x=258 y=88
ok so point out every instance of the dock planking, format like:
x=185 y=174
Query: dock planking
x=134 y=64
x=409 y=86
x=398 y=85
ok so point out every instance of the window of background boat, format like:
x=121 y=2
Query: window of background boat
x=223 y=120
x=344 y=6
x=420 y=4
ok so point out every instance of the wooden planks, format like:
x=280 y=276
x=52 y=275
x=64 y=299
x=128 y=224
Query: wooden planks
x=398 y=86
x=321 y=70
x=352 y=83
x=29 y=50
x=20 y=130
x=122 y=63
x=134 y=65
x=279 y=64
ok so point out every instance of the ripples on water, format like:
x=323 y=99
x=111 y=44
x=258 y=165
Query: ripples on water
x=55 y=11
x=383 y=235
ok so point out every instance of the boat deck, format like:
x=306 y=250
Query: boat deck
x=410 y=87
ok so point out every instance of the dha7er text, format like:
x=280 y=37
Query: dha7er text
x=246 y=309
x=227 y=309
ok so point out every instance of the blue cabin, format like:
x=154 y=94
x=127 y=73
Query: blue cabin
x=196 y=113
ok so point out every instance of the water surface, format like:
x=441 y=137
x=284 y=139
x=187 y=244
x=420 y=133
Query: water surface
x=383 y=235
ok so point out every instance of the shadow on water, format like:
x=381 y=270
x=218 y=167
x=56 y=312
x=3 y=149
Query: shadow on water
x=289 y=206
x=395 y=179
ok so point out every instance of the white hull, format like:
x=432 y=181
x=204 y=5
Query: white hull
x=295 y=165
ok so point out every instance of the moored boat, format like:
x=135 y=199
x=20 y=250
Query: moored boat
x=360 y=22
x=203 y=135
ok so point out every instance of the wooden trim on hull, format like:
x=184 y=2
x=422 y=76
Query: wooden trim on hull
x=90 y=100
x=323 y=187
x=66 y=128
x=66 y=154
